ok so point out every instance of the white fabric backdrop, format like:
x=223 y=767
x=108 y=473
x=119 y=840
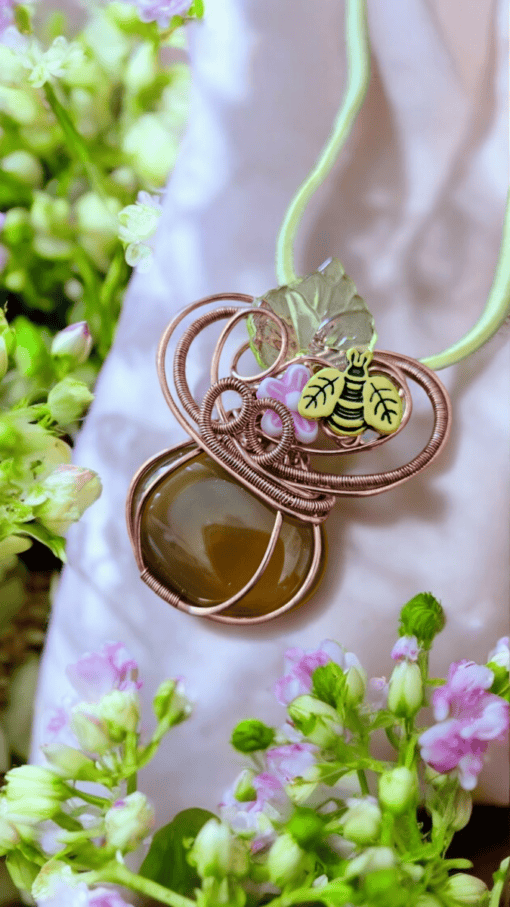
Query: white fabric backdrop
x=414 y=210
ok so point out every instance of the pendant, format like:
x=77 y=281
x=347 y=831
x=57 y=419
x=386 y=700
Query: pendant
x=228 y=525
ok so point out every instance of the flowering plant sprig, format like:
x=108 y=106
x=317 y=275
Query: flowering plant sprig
x=316 y=816
x=86 y=125
x=41 y=398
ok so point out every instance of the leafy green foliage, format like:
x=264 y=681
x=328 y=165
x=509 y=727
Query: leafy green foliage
x=166 y=861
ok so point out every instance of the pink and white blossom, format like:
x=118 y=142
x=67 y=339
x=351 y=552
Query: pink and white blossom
x=78 y=895
x=98 y=673
x=300 y=665
x=291 y=760
x=287 y=390
x=256 y=817
x=377 y=693
x=468 y=717
x=406 y=647
x=161 y=11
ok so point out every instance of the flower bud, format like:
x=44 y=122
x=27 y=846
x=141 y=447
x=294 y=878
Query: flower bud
x=23 y=165
x=356 y=681
x=244 y=790
x=120 y=710
x=74 y=341
x=69 y=762
x=9 y=836
x=462 y=888
x=68 y=400
x=251 y=735
x=34 y=794
x=13 y=544
x=70 y=490
x=398 y=790
x=170 y=704
x=151 y=148
x=91 y=731
x=405 y=693
x=317 y=720
x=362 y=821
x=129 y=821
x=462 y=807
x=286 y=861
x=428 y=900
x=215 y=852
x=422 y=617
x=372 y=859
x=4 y=358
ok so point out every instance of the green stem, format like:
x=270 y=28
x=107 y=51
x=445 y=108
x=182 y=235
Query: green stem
x=500 y=876
x=118 y=874
x=363 y=783
x=77 y=145
x=358 y=56
x=392 y=737
x=101 y=802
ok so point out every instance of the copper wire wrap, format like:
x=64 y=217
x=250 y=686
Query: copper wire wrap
x=278 y=471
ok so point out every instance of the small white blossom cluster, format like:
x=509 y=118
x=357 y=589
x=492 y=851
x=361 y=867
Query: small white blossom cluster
x=137 y=225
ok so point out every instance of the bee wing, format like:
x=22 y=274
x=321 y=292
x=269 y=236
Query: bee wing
x=382 y=404
x=320 y=394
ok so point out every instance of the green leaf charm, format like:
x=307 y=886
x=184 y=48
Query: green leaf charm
x=166 y=861
x=382 y=405
x=320 y=394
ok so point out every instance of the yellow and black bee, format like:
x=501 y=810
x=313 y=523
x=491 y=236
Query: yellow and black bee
x=352 y=401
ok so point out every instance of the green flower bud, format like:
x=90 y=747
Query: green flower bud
x=120 y=710
x=428 y=900
x=372 y=859
x=74 y=341
x=462 y=889
x=16 y=229
x=4 y=358
x=151 y=148
x=34 y=794
x=422 y=617
x=251 y=735
x=216 y=853
x=128 y=822
x=244 y=789
x=70 y=763
x=91 y=731
x=68 y=491
x=68 y=400
x=356 y=682
x=23 y=165
x=462 y=808
x=362 y=821
x=405 y=692
x=170 y=704
x=286 y=861
x=317 y=720
x=142 y=69
x=9 y=835
x=14 y=544
x=21 y=870
x=398 y=790
x=305 y=826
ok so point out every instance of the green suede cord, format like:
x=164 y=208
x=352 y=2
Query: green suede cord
x=358 y=57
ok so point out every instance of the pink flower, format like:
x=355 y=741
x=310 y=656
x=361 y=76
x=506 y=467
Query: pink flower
x=161 y=11
x=291 y=760
x=287 y=390
x=377 y=693
x=271 y=804
x=97 y=673
x=6 y=14
x=406 y=647
x=468 y=719
x=300 y=665
x=78 y=895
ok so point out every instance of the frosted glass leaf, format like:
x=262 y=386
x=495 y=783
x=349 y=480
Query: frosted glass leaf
x=325 y=315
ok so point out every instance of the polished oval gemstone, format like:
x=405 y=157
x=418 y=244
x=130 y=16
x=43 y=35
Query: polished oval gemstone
x=203 y=535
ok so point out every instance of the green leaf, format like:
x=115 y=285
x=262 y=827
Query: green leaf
x=22 y=871
x=166 y=861
x=329 y=683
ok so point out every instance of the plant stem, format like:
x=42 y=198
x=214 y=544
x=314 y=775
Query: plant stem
x=118 y=874
x=363 y=783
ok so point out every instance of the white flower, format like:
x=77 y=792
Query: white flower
x=52 y=63
x=74 y=341
x=500 y=654
x=129 y=821
x=68 y=491
x=138 y=223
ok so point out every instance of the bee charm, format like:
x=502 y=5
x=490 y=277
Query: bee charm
x=353 y=400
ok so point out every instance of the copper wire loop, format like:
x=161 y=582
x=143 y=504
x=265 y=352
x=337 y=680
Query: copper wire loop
x=271 y=469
